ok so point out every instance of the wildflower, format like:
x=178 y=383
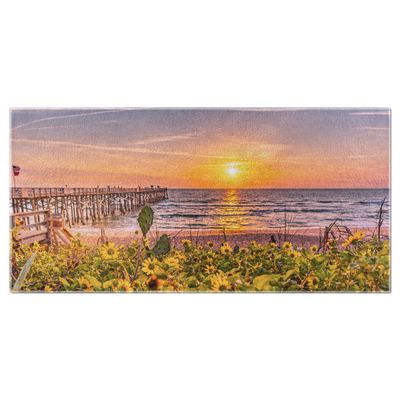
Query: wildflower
x=109 y=251
x=88 y=286
x=359 y=235
x=134 y=244
x=312 y=281
x=125 y=284
x=186 y=241
x=210 y=269
x=48 y=288
x=314 y=249
x=136 y=232
x=155 y=283
x=200 y=247
x=349 y=241
x=332 y=243
x=225 y=248
x=83 y=281
x=273 y=245
x=242 y=250
x=148 y=266
x=19 y=222
x=292 y=255
x=210 y=245
x=220 y=284
x=287 y=245
x=146 y=241
x=172 y=262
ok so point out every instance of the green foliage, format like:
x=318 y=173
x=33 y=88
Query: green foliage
x=22 y=274
x=145 y=219
x=162 y=247
x=80 y=267
x=360 y=267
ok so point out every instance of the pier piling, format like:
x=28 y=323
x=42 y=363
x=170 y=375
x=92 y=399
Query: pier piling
x=80 y=204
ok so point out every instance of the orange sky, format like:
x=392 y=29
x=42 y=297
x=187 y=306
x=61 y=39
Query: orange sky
x=233 y=148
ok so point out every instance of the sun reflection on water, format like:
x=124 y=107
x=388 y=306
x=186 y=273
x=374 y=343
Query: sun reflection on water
x=232 y=215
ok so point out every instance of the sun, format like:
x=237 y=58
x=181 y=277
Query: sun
x=232 y=171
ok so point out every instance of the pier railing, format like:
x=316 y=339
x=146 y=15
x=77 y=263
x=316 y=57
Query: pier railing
x=46 y=192
x=79 y=205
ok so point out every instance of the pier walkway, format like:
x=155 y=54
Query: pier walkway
x=78 y=205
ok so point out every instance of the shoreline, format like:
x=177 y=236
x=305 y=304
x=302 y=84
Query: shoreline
x=305 y=237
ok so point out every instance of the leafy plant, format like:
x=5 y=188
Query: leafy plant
x=357 y=266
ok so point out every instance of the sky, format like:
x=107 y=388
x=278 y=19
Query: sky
x=201 y=148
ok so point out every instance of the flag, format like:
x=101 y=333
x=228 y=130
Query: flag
x=16 y=170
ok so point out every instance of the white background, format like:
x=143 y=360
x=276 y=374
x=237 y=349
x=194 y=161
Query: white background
x=193 y=54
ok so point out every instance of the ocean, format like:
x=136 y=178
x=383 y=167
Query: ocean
x=254 y=209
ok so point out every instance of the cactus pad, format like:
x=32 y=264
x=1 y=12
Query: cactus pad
x=145 y=219
x=162 y=247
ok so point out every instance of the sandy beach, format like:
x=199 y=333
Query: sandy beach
x=301 y=237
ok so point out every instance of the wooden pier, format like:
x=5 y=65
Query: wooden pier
x=79 y=205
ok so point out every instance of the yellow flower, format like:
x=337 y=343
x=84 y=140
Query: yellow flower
x=181 y=257
x=210 y=269
x=48 y=288
x=186 y=241
x=200 y=247
x=273 y=245
x=172 y=262
x=125 y=284
x=83 y=281
x=258 y=265
x=349 y=241
x=19 y=222
x=242 y=250
x=155 y=283
x=287 y=245
x=148 y=266
x=146 y=241
x=219 y=283
x=225 y=248
x=332 y=243
x=210 y=245
x=109 y=251
x=312 y=282
x=314 y=249
x=359 y=235
x=293 y=255
x=136 y=232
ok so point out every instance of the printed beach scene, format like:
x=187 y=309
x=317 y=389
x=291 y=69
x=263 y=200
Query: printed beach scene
x=200 y=200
